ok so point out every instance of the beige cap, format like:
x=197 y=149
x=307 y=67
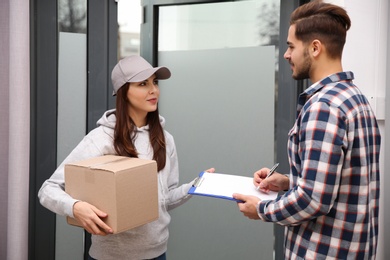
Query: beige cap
x=135 y=69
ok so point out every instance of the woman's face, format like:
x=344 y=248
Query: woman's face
x=143 y=98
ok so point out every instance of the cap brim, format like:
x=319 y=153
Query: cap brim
x=161 y=73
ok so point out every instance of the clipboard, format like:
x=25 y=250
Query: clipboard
x=222 y=186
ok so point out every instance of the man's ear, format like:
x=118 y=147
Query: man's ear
x=316 y=48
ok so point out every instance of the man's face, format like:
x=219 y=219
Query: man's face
x=297 y=55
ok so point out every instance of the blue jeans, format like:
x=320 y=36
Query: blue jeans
x=161 y=257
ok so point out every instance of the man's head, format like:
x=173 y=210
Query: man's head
x=316 y=39
x=326 y=22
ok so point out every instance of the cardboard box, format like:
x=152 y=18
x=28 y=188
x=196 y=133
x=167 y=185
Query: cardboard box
x=125 y=188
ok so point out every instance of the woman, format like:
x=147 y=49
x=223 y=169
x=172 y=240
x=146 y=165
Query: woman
x=133 y=129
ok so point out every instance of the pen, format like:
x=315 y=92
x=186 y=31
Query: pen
x=271 y=171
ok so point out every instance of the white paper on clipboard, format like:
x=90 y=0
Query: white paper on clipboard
x=219 y=185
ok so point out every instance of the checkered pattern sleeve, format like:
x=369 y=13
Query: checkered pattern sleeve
x=319 y=157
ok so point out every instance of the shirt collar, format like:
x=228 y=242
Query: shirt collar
x=315 y=87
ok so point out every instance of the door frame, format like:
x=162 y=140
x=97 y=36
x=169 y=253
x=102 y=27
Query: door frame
x=101 y=57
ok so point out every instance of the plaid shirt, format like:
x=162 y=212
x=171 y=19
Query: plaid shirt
x=331 y=210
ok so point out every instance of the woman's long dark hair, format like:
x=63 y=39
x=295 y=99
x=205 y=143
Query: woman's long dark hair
x=125 y=131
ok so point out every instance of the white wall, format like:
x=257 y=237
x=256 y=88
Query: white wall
x=366 y=48
x=366 y=54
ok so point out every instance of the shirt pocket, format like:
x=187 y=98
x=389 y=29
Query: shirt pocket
x=293 y=131
x=293 y=140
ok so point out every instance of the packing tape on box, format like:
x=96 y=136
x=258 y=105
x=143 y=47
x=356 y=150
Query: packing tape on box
x=90 y=177
x=96 y=166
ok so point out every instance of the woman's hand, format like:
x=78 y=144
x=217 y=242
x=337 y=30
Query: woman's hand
x=90 y=218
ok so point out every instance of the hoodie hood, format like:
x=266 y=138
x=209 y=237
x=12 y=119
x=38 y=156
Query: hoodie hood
x=109 y=119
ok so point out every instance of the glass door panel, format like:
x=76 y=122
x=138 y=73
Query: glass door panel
x=218 y=25
x=129 y=27
x=219 y=106
x=72 y=92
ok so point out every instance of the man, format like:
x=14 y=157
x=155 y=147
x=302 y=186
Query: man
x=330 y=208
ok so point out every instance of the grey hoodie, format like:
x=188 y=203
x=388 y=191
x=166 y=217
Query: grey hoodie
x=144 y=242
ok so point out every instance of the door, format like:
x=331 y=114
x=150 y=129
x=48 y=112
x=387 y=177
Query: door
x=219 y=105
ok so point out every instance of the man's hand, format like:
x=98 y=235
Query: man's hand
x=248 y=206
x=275 y=182
x=91 y=218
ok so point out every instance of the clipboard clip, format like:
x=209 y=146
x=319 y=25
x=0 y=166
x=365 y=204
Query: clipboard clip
x=198 y=181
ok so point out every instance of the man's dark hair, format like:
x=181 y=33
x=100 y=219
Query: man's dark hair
x=326 y=22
